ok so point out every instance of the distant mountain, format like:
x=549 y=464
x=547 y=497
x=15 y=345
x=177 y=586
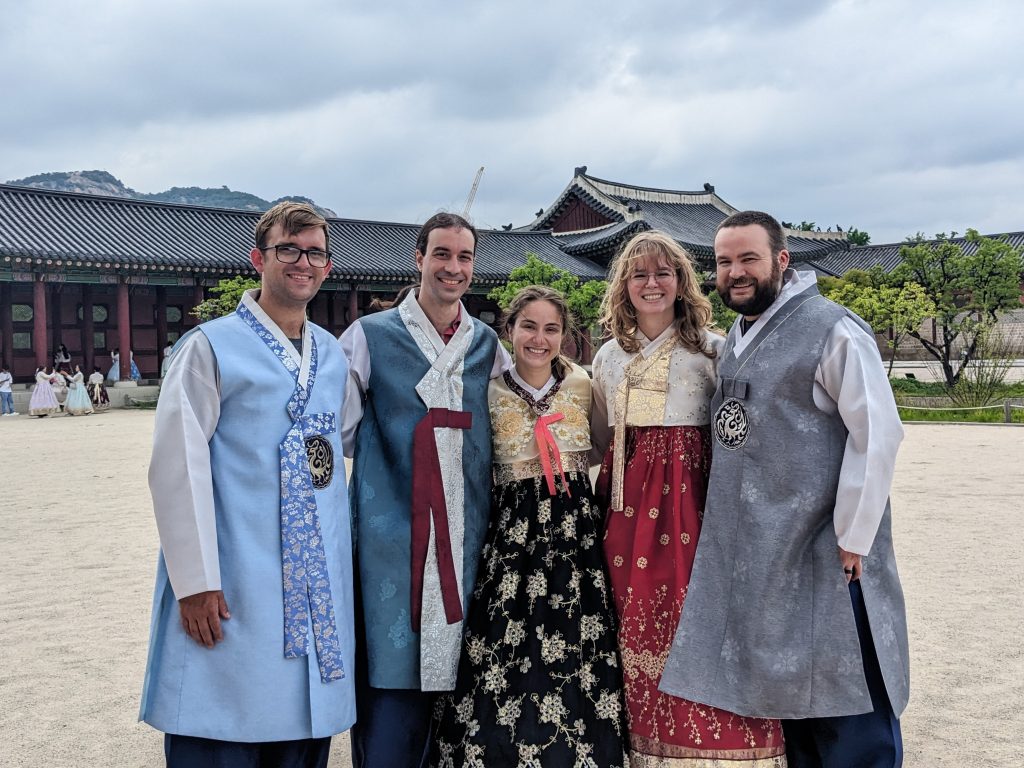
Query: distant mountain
x=103 y=183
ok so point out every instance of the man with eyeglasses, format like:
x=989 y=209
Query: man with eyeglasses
x=418 y=427
x=251 y=658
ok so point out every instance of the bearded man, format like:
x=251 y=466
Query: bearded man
x=795 y=609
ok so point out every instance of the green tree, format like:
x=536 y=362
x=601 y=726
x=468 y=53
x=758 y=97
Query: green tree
x=583 y=298
x=227 y=293
x=969 y=293
x=857 y=236
x=722 y=316
x=899 y=308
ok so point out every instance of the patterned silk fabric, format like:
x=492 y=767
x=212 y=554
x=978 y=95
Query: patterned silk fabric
x=306 y=582
x=650 y=547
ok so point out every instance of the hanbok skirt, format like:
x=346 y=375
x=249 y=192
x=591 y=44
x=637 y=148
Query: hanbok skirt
x=539 y=680
x=115 y=372
x=43 y=402
x=78 y=402
x=649 y=548
x=98 y=395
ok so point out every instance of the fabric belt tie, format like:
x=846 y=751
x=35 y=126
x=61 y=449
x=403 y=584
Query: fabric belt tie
x=428 y=502
x=549 y=453
x=305 y=580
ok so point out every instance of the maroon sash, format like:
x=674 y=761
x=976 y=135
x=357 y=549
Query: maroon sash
x=428 y=501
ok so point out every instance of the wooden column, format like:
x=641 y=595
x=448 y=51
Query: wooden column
x=88 y=334
x=161 y=322
x=331 y=301
x=7 y=323
x=353 y=306
x=39 y=321
x=198 y=297
x=124 y=330
x=57 y=320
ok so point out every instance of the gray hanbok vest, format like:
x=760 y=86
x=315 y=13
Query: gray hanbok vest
x=767 y=628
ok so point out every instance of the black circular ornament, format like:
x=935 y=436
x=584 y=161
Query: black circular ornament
x=321 y=461
x=731 y=424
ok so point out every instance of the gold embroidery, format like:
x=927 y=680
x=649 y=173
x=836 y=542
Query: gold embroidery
x=684 y=537
x=664 y=539
x=629 y=512
x=640 y=402
x=618 y=558
x=653 y=513
x=578 y=461
x=641 y=563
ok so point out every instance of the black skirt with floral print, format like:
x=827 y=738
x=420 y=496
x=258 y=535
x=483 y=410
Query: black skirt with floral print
x=539 y=679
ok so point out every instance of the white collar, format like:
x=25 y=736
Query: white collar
x=250 y=301
x=536 y=393
x=793 y=282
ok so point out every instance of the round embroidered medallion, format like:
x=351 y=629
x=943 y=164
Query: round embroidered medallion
x=321 y=461
x=731 y=424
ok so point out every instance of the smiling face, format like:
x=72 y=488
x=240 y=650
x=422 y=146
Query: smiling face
x=290 y=286
x=652 y=287
x=537 y=339
x=446 y=269
x=749 y=275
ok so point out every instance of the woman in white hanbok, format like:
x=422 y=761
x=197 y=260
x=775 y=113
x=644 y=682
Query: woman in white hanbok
x=78 y=402
x=43 y=401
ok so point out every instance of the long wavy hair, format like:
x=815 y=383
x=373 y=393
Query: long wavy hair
x=560 y=364
x=692 y=308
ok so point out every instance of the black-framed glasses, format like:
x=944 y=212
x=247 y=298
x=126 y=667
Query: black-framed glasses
x=290 y=254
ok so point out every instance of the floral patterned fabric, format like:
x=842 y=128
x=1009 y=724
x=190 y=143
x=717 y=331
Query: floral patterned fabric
x=649 y=547
x=539 y=681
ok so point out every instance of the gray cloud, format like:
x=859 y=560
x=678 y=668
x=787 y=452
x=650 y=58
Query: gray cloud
x=893 y=117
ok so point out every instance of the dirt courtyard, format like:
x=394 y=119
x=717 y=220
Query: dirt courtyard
x=78 y=553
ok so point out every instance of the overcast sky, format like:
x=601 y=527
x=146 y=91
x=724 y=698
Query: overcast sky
x=889 y=115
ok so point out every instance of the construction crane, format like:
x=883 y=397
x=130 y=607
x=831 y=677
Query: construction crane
x=472 y=193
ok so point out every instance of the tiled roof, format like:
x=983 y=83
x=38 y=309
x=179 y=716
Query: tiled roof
x=690 y=218
x=95 y=231
x=888 y=255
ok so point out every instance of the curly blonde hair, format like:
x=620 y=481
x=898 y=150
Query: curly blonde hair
x=692 y=308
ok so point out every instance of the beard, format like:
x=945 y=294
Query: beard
x=765 y=292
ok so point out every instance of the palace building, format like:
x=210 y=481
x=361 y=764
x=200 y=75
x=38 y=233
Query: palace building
x=99 y=274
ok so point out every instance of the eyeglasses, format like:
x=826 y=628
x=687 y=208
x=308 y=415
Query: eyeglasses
x=661 y=276
x=290 y=254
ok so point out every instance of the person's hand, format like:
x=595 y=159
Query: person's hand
x=851 y=565
x=201 y=615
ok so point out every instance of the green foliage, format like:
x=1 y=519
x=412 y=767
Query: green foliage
x=883 y=307
x=584 y=299
x=990 y=415
x=857 y=236
x=722 y=316
x=228 y=292
x=969 y=293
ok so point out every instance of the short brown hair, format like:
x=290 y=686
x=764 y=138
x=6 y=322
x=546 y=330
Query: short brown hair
x=767 y=222
x=293 y=218
x=560 y=365
x=443 y=220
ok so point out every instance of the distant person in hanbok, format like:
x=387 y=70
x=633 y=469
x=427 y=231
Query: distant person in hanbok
x=98 y=390
x=43 y=401
x=653 y=382
x=59 y=383
x=61 y=359
x=166 y=359
x=78 y=402
x=539 y=682
x=115 y=369
x=6 y=396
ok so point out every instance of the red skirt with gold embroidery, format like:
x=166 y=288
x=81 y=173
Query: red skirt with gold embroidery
x=649 y=547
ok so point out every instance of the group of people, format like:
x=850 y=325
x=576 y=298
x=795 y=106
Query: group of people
x=60 y=390
x=726 y=593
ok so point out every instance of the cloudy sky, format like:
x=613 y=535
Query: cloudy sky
x=894 y=116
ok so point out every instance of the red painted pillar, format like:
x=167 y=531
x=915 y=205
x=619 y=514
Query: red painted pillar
x=161 y=321
x=353 y=305
x=124 y=330
x=7 y=322
x=331 y=296
x=39 y=321
x=88 y=334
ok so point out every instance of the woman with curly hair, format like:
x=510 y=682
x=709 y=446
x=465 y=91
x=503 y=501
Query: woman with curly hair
x=539 y=680
x=653 y=382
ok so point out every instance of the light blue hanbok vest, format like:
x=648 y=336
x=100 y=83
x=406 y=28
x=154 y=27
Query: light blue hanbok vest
x=244 y=689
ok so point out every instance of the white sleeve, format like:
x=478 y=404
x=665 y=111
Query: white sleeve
x=357 y=352
x=851 y=380
x=180 y=478
x=502 y=361
x=600 y=431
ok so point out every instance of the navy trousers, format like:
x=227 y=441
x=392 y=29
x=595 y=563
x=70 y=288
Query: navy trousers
x=871 y=740
x=194 y=752
x=393 y=728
